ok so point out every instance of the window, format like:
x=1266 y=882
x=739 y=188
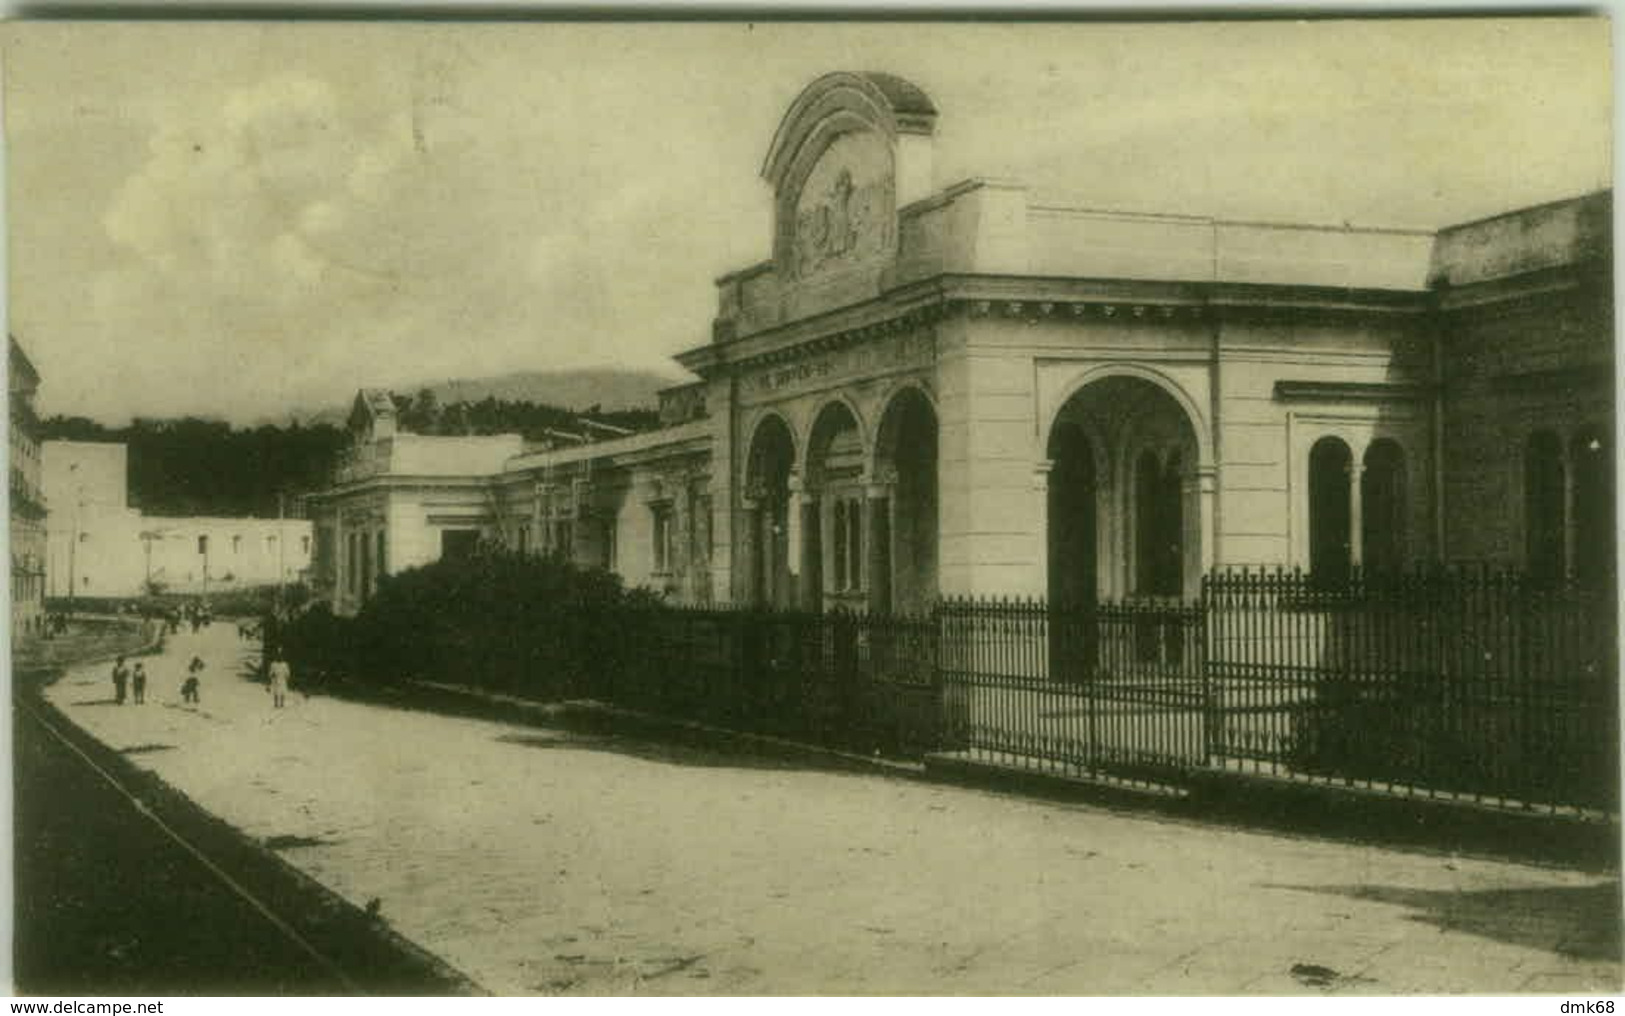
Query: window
x=662 y=539
x=563 y=539
x=1330 y=522
x=1592 y=459
x=378 y=564
x=524 y=539
x=352 y=564
x=456 y=543
x=1543 y=505
x=203 y=545
x=847 y=552
x=1383 y=508
x=304 y=545
x=236 y=544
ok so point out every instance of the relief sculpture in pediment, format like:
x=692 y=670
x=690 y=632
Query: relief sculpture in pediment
x=844 y=212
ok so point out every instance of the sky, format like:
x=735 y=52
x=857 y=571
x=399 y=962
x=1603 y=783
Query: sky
x=247 y=220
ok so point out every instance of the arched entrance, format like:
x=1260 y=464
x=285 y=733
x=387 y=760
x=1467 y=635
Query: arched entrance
x=1124 y=510
x=904 y=533
x=768 y=466
x=834 y=570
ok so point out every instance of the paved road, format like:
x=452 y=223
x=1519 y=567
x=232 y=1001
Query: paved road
x=544 y=861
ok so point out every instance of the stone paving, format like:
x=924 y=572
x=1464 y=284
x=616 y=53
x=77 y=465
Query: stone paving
x=542 y=861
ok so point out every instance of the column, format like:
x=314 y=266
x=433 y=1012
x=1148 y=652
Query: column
x=1356 y=515
x=1041 y=481
x=1207 y=497
x=750 y=556
x=793 y=538
x=878 y=551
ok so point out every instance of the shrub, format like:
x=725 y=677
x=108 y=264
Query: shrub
x=537 y=626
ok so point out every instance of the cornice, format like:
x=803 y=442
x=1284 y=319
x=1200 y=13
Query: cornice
x=1350 y=391
x=1034 y=299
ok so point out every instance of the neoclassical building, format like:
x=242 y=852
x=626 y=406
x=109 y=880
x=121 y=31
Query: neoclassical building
x=981 y=389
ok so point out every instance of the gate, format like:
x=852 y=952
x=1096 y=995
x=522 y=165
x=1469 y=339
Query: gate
x=1115 y=689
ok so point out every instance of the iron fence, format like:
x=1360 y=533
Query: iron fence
x=1473 y=684
x=1104 y=689
x=1488 y=685
x=859 y=681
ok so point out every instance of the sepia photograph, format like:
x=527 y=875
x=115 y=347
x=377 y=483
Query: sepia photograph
x=651 y=508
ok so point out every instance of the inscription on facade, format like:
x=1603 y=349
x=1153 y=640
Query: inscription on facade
x=915 y=349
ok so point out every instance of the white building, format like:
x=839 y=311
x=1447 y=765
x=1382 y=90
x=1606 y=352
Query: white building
x=99 y=546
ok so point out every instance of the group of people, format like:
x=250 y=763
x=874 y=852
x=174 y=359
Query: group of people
x=126 y=680
x=51 y=625
x=132 y=683
x=124 y=677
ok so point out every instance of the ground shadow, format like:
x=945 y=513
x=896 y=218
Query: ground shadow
x=559 y=725
x=669 y=751
x=1579 y=922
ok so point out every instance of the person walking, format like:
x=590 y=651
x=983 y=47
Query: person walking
x=194 y=681
x=138 y=684
x=121 y=675
x=280 y=675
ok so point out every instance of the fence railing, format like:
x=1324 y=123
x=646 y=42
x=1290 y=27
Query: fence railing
x=1488 y=686
x=1463 y=683
x=1483 y=684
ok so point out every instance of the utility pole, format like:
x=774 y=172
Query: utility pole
x=73 y=538
x=281 y=539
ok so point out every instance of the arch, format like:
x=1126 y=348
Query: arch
x=843 y=101
x=1148 y=514
x=769 y=463
x=764 y=429
x=905 y=531
x=1384 y=507
x=827 y=416
x=1193 y=414
x=1331 y=532
x=832 y=476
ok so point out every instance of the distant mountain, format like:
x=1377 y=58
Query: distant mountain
x=609 y=388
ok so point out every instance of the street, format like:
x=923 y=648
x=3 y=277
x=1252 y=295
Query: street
x=119 y=890
x=543 y=861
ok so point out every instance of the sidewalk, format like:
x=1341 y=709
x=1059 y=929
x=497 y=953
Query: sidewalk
x=543 y=861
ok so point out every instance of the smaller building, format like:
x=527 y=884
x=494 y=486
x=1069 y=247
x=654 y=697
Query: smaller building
x=28 y=505
x=98 y=546
x=400 y=500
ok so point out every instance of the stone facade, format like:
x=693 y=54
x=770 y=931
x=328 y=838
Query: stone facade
x=28 y=504
x=980 y=390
